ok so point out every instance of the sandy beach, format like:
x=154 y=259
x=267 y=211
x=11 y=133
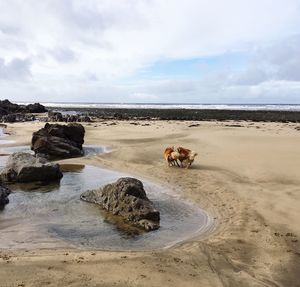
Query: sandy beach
x=246 y=176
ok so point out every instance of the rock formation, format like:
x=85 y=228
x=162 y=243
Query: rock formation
x=24 y=167
x=58 y=141
x=11 y=113
x=36 y=108
x=4 y=192
x=59 y=117
x=127 y=198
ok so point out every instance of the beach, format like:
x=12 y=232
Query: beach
x=246 y=177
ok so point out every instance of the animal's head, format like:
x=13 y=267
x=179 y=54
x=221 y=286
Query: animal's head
x=168 y=150
x=192 y=155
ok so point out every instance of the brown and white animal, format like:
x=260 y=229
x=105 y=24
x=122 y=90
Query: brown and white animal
x=186 y=157
x=171 y=156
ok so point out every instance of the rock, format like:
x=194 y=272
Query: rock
x=10 y=107
x=24 y=167
x=59 y=141
x=36 y=108
x=10 y=118
x=55 y=116
x=127 y=198
x=4 y=192
x=59 y=117
x=11 y=113
x=85 y=119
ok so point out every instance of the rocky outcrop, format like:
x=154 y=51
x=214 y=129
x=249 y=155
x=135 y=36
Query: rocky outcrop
x=127 y=198
x=58 y=141
x=9 y=107
x=12 y=118
x=59 y=117
x=24 y=167
x=4 y=192
x=10 y=113
x=36 y=108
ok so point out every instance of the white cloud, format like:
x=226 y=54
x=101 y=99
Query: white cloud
x=16 y=69
x=82 y=50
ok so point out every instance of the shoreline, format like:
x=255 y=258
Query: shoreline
x=237 y=177
x=186 y=114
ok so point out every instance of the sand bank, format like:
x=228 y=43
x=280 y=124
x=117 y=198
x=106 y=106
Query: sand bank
x=247 y=177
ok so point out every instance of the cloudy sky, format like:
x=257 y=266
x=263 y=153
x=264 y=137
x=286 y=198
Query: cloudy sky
x=193 y=51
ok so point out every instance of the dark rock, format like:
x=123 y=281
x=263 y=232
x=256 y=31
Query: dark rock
x=59 y=117
x=11 y=113
x=59 y=141
x=55 y=116
x=24 y=167
x=4 y=192
x=85 y=119
x=36 y=108
x=10 y=118
x=10 y=107
x=127 y=198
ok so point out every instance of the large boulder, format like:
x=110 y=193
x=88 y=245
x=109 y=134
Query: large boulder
x=58 y=141
x=24 y=167
x=35 y=108
x=127 y=198
x=10 y=107
x=4 y=192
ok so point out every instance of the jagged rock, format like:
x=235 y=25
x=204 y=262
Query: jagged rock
x=10 y=113
x=10 y=118
x=55 y=117
x=4 y=192
x=36 y=108
x=10 y=107
x=58 y=141
x=24 y=167
x=59 y=117
x=85 y=119
x=127 y=198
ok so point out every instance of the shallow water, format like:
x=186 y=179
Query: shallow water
x=3 y=135
x=88 y=150
x=54 y=216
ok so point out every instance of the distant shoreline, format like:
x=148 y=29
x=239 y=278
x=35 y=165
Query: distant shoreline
x=190 y=106
x=187 y=114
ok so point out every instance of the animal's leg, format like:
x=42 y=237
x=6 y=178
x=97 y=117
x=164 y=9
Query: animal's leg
x=188 y=165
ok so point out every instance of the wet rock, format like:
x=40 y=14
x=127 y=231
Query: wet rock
x=58 y=141
x=4 y=192
x=59 y=117
x=85 y=119
x=24 y=167
x=55 y=117
x=127 y=198
x=10 y=118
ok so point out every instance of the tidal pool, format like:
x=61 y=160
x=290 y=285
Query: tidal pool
x=53 y=216
x=3 y=135
x=88 y=150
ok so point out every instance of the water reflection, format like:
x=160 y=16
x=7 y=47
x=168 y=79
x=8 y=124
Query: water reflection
x=54 y=216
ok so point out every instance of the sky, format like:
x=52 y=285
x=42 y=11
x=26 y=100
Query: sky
x=150 y=51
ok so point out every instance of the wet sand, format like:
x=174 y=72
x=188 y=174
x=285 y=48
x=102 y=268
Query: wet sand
x=246 y=176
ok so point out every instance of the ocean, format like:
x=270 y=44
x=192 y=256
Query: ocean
x=246 y=107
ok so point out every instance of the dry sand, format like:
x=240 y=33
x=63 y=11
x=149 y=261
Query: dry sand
x=247 y=178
